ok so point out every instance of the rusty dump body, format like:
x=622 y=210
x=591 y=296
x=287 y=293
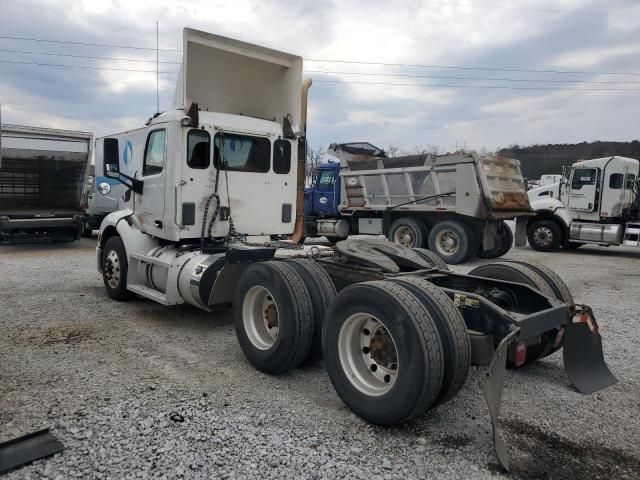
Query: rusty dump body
x=466 y=184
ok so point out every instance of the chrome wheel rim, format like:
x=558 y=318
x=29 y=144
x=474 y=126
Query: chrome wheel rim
x=112 y=269
x=404 y=236
x=543 y=236
x=368 y=354
x=447 y=242
x=260 y=317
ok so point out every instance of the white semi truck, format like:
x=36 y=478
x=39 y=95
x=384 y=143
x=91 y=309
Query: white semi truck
x=595 y=202
x=43 y=172
x=205 y=218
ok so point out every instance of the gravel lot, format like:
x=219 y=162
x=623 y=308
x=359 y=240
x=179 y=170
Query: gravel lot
x=139 y=390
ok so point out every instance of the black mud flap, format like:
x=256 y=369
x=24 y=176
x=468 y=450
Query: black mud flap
x=26 y=449
x=492 y=388
x=582 y=353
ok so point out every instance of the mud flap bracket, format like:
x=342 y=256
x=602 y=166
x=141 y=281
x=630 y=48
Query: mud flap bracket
x=492 y=388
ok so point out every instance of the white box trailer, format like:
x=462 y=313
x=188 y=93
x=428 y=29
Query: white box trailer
x=43 y=172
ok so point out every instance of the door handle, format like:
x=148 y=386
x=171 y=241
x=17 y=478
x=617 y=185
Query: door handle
x=157 y=223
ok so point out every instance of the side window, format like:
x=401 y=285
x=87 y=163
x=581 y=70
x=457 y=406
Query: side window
x=241 y=153
x=154 y=153
x=616 y=180
x=583 y=176
x=544 y=194
x=327 y=179
x=198 y=148
x=282 y=156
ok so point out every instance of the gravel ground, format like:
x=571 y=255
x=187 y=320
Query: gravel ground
x=140 y=390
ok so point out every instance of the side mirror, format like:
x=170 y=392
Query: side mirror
x=111 y=170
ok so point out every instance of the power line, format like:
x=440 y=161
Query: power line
x=356 y=62
x=39 y=64
x=486 y=86
x=84 y=56
x=86 y=44
x=470 y=78
x=497 y=69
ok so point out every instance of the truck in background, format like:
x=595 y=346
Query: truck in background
x=595 y=202
x=43 y=172
x=453 y=204
x=105 y=195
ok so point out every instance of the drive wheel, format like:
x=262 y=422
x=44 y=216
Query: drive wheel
x=273 y=317
x=321 y=291
x=452 y=329
x=114 y=269
x=544 y=235
x=408 y=232
x=452 y=241
x=431 y=257
x=382 y=352
x=540 y=278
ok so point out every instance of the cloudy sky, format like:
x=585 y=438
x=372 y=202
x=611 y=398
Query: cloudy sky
x=562 y=52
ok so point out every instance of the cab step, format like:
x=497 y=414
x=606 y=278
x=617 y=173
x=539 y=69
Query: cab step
x=152 y=294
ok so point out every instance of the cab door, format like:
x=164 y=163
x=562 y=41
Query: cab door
x=326 y=193
x=150 y=206
x=583 y=193
x=196 y=184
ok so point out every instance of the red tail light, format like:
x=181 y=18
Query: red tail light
x=521 y=354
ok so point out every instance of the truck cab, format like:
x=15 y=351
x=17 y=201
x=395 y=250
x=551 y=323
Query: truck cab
x=596 y=201
x=322 y=198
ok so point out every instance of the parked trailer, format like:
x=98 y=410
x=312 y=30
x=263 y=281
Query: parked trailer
x=454 y=204
x=203 y=224
x=43 y=173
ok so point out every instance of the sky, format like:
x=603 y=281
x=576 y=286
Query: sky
x=485 y=40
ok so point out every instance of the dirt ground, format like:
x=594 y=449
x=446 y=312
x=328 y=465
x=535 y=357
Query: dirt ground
x=113 y=380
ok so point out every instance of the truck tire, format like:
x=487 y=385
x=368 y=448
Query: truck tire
x=382 y=352
x=456 y=347
x=114 y=269
x=540 y=278
x=502 y=244
x=321 y=291
x=544 y=235
x=452 y=241
x=273 y=317
x=435 y=260
x=408 y=232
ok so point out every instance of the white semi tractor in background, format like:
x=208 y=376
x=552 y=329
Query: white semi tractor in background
x=213 y=215
x=595 y=202
x=43 y=173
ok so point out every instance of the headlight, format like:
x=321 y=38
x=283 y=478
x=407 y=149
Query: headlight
x=104 y=188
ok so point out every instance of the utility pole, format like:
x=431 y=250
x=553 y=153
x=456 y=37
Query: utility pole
x=157 y=83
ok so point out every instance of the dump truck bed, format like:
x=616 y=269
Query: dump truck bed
x=484 y=187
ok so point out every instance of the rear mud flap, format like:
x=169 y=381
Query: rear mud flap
x=492 y=388
x=26 y=449
x=582 y=353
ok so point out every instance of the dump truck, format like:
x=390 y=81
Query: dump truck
x=453 y=204
x=43 y=172
x=595 y=202
x=214 y=216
